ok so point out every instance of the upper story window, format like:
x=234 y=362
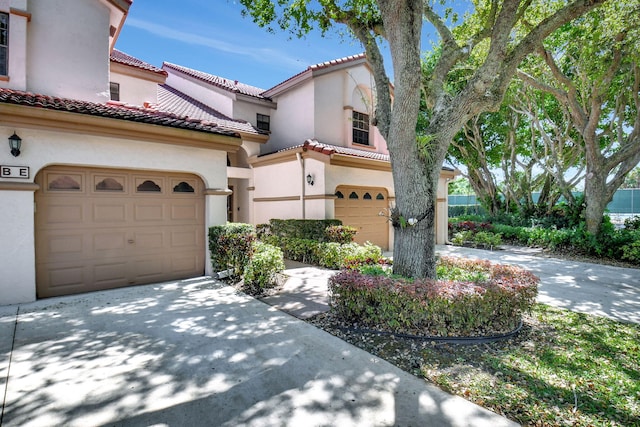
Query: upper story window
x=360 y=128
x=263 y=122
x=114 y=91
x=4 y=44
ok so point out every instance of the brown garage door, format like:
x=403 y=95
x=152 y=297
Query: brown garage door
x=102 y=228
x=360 y=207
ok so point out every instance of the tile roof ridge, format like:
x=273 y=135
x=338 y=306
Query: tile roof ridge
x=319 y=66
x=231 y=85
x=343 y=60
x=124 y=58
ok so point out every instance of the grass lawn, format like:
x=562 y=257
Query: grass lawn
x=565 y=368
x=562 y=369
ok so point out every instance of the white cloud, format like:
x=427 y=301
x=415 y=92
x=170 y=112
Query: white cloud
x=263 y=55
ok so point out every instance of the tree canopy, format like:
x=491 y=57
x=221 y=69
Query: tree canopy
x=488 y=46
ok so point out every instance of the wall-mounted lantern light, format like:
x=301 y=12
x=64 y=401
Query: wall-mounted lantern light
x=15 y=142
x=310 y=179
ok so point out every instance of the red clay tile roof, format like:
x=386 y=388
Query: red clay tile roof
x=328 y=149
x=323 y=65
x=173 y=101
x=122 y=58
x=111 y=110
x=227 y=84
x=314 y=145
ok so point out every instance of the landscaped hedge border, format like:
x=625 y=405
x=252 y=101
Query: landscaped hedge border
x=312 y=229
x=436 y=308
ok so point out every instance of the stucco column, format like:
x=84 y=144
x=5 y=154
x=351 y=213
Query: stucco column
x=18 y=261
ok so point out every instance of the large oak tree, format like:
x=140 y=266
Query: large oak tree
x=507 y=31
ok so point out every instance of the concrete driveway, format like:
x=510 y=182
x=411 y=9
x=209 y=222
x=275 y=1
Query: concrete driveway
x=197 y=353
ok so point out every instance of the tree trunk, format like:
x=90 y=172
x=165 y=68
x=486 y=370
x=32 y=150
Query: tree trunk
x=596 y=199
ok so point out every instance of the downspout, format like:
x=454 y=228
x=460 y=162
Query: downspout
x=302 y=182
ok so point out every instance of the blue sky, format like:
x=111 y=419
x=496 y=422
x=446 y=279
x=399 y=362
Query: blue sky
x=212 y=36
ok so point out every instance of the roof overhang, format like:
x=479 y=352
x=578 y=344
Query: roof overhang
x=67 y=122
x=118 y=14
x=136 y=72
x=334 y=159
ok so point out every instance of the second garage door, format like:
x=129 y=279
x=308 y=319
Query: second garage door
x=360 y=207
x=102 y=228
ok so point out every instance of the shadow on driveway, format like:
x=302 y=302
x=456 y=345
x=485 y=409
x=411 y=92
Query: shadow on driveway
x=198 y=353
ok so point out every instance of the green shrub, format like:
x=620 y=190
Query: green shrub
x=331 y=255
x=441 y=308
x=311 y=229
x=631 y=252
x=263 y=267
x=357 y=255
x=340 y=233
x=632 y=223
x=231 y=247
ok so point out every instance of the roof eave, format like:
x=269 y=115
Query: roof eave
x=69 y=122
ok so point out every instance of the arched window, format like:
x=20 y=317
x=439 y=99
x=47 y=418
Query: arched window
x=183 y=187
x=339 y=195
x=149 y=186
x=353 y=195
x=366 y=196
x=109 y=184
x=379 y=196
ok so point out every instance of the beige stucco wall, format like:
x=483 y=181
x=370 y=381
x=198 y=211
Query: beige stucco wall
x=70 y=61
x=44 y=148
x=292 y=122
x=135 y=91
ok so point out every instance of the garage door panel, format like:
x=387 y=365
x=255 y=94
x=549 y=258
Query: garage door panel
x=149 y=212
x=113 y=241
x=148 y=269
x=114 y=212
x=185 y=239
x=150 y=239
x=71 y=212
x=66 y=244
x=101 y=229
x=185 y=212
x=64 y=278
x=110 y=273
x=186 y=263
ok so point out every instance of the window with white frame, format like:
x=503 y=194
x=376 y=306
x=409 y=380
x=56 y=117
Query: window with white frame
x=4 y=44
x=360 y=128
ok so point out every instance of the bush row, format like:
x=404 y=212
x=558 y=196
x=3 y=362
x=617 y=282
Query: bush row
x=612 y=243
x=491 y=304
x=331 y=255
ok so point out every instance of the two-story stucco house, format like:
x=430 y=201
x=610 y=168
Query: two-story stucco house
x=101 y=193
x=323 y=159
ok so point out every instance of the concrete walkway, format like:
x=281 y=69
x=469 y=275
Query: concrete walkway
x=601 y=290
x=197 y=353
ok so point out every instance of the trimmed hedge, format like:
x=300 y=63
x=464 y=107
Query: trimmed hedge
x=231 y=247
x=263 y=268
x=492 y=305
x=331 y=255
x=312 y=229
